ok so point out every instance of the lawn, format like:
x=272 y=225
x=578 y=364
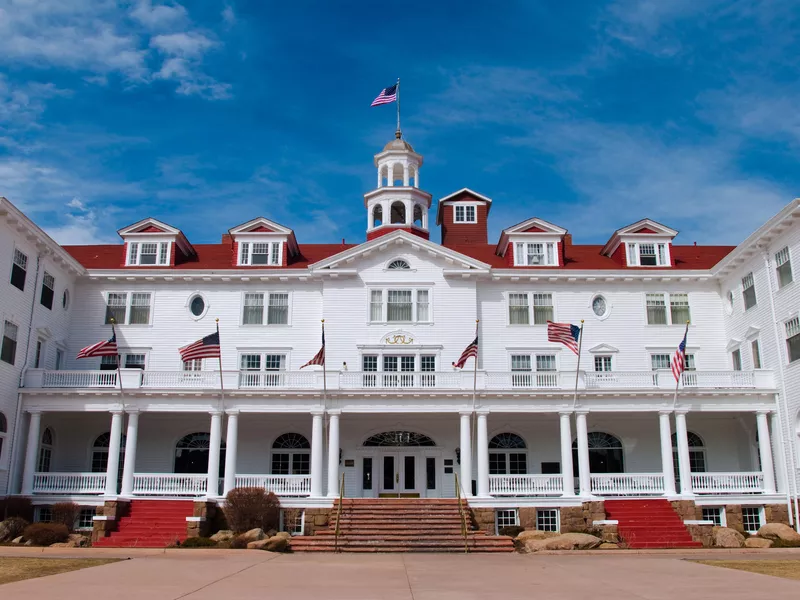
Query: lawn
x=17 y=569
x=788 y=569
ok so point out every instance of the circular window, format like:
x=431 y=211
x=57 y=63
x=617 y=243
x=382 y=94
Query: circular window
x=65 y=299
x=197 y=306
x=600 y=306
x=729 y=302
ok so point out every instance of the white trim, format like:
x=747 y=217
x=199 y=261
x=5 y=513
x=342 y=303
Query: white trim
x=277 y=228
x=148 y=222
x=468 y=191
x=466 y=205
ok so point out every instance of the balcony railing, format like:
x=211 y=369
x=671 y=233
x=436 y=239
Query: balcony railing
x=169 y=484
x=526 y=485
x=282 y=485
x=508 y=381
x=627 y=484
x=728 y=483
x=69 y=483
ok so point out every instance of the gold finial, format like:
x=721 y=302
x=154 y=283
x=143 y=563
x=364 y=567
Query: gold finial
x=581 y=321
x=323 y=320
x=687 y=321
x=216 y=320
x=398 y=134
x=477 y=320
x=113 y=321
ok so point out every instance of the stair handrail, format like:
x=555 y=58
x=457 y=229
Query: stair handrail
x=338 y=516
x=461 y=514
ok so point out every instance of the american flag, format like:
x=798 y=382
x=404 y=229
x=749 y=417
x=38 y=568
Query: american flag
x=678 y=362
x=104 y=348
x=386 y=96
x=319 y=357
x=564 y=333
x=469 y=351
x=207 y=347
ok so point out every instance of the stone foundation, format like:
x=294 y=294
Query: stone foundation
x=581 y=518
x=207 y=512
x=316 y=519
x=483 y=518
x=776 y=513
x=702 y=534
x=114 y=510
x=687 y=510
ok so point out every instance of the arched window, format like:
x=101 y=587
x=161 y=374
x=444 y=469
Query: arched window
x=398 y=212
x=398 y=265
x=384 y=176
x=605 y=453
x=3 y=431
x=100 y=453
x=191 y=454
x=291 y=455
x=45 y=451
x=412 y=177
x=377 y=216
x=399 y=439
x=697 y=455
x=418 y=215
x=397 y=174
x=507 y=455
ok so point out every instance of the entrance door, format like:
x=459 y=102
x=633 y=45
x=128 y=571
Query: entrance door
x=399 y=476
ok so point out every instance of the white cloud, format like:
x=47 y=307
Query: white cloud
x=81 y=226
x=160 y=16
x=185 y=44
x=228 y=16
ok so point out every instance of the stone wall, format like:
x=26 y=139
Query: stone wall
x=702 y=534
x=316 y=519
x=483 y=518
x=776 y=513
x=207 y=512
x=687 y=510
x=580 y=518
x=114 y=510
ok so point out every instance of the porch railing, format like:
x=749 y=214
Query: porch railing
x=367 y=380
x=526 y=485
x=170 y=484
x=79 y=379
x=546 y=380
x=622 y=380
x=728 y=483
x=282 y=485
x=719 y=379
x=180 y=379
x=627 y=484
x=69 y=483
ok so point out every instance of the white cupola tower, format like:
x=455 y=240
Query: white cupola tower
x=397 y=203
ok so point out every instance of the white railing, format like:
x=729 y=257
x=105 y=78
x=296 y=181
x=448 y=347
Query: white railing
x=282 y=485
x=169 y=484
x=627 y=484
x=277 y=379
x=79 y=379
x=727 y=483
x=69 y=483
x=719 y=379
x=181 y=379
x=369 y=380
x=526 y=485
x=621 y=380
x=546 y=380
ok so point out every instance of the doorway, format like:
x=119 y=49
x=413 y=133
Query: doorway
x=399 y=478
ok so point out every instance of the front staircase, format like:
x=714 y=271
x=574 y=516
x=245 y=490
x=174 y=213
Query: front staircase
x=649 y=524
x=401 y=525
x=150 y=524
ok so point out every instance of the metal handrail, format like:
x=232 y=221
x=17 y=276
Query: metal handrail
x=461 y=514
x=338 y=516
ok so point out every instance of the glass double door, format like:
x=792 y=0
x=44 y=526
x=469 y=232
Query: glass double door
x=398 y=476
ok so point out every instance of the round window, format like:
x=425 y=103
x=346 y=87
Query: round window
x=65 y=300
x=599 y=306
x=197 y=306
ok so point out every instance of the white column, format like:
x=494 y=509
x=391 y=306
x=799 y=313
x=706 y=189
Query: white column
x=405 y=175
x=765 y=450
x=333 y=453
x=466 y=453
x=214 y=444
x=584 y=473
x=409 y=212
x=112 y=468
x=567 y=471
x=483 y=455
x=666 y=452
x=130 y=454
x=231 y=448
x=778 y=455
x=683 y=453
x=316 y=454
x=31 y=453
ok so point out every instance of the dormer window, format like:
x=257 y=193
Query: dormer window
x=260 y=253
x=148 y=253
x=465 y=213
x=398 y=265
x=648 y=255
x=535 y=254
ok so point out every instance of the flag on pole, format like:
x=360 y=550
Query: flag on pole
x=678 y=361
x=319 y=357
x=469 y=351
x=207 y=347
x=387 y=96
x=564 y=333
x=104 y=348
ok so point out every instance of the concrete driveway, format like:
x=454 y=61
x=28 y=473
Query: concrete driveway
x=201 y=574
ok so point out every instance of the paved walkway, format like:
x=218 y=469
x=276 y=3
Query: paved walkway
x=207 y=575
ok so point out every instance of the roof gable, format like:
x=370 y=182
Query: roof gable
x=533 y=226
x=148 y=226
x=462 y=194
x=645 y=227
x=260 y=225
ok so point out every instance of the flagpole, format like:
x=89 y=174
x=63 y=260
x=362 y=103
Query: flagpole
x=324 y=372
x=221 y=385
x=680 y=375
x=473 y=450
x=398 y=105
x=578 y=368
x=119 y=358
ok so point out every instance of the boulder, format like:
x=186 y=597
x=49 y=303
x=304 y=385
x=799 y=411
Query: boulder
x=5 y=532
x=779 y=531
x=257 y=545
x=284 y=534
x=565 y=541
x=757 y=542
x=271 y=533
x=80 y=541
x=608 y=546
x=725 y=537
x=223 y=535
x=254 y=535
x=17 y=540
x=276 y=543
x=535 y=534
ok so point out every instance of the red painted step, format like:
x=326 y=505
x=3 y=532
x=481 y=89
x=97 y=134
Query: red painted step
x=649 y=524
x=150 y=524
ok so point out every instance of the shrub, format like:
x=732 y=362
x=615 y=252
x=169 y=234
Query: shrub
x=15 y=526
x=511 y=531
x=247 y=508
x=45 y=534
x=238 y=543
x=198 y=542
x=16 y=507
x=66 y=513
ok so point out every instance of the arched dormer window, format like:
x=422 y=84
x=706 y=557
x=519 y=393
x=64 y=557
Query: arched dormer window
x=398 y=264
x=398 y=212
x=418 y=215
x=377 y=216
x=507 y=455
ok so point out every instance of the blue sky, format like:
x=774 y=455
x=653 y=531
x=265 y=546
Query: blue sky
x=591 y=115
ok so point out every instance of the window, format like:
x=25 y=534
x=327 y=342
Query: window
x=535 y=254
x=135 y=361
x=293 y=456
x=657 y=314
x=736 y=360
x=197 y=306
x=715 y=514
x=507 y=455
x=376 y=305
x=648 y=255
x=422 y=306
x=605 y=453
x=748 y=291
x=140 y=309
x=518 y=312
x=756 y=354
x=59 y=359
x=135 y=313
x=751 y=518
x=679 y=308
x=400 y=306
x=547 y=519
x=602 y=363
x=506 y=517
x=44 y=514
x=697 y=455
x=19 y=269
x=262 y=370
x=195 y=365
x=523 y=375
x=783 y=267
x=8 y=351
x=261 y=253
x=662 y=361
x=3 y=432
x=465 y=214
x=148 y=253
x=65 y=300
x=45 y=451
x=398 y=265
x=292 y=520
x=38 y=359
x=656 y=309
x=277 y=312
x=85 y=519
x=108 y=363
x=116 y=307
x=599 y=306
x=542 y=308
x=48 y=291
x=792 y=339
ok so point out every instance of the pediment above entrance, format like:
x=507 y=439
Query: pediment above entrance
x=398 y=338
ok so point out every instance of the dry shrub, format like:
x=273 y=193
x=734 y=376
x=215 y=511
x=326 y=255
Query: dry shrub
x=45 y=534
x=66 y=513
x=16 y=507
x=15 y=526
x=247 y=508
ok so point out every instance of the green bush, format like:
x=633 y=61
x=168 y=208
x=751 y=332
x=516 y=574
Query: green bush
x=511 y=531
x=45 y=534
x=247 y=508
x=66 y=513
x=198 y=542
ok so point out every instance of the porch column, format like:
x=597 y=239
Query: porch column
x=31 y=452
x=130 y=454
x=765 y=451
x=584 y=474
x=316 y=454
x=778 y=456
x=214 y=445
x=683 y=453
x=231 y=448
x=666 y=452
x=466 y=453
x=483 y=454
x=112 y=468
x=333 y=453
x=567 y=471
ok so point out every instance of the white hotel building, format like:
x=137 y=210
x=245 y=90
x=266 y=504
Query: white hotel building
x=391 y=414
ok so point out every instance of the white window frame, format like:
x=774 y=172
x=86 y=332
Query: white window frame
x=465 y=212
x=128 y=303
x=133 y=256
x=667 y=299
x=384 y=319
x=792 y=326
x=262 y=365
x=661 y=249
x=752 y=280
x=691 y=359
x=282 y=522
x=723 y=521
x=761 y=518
x=531 y=312
x=549 y=253
x=20 y=259
x=783 y=257
x=605 y=359
x=245 y=258
x=558 y=518
x=265 y=314
x=755 y=354
x=533 y=354
x=498 y=526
